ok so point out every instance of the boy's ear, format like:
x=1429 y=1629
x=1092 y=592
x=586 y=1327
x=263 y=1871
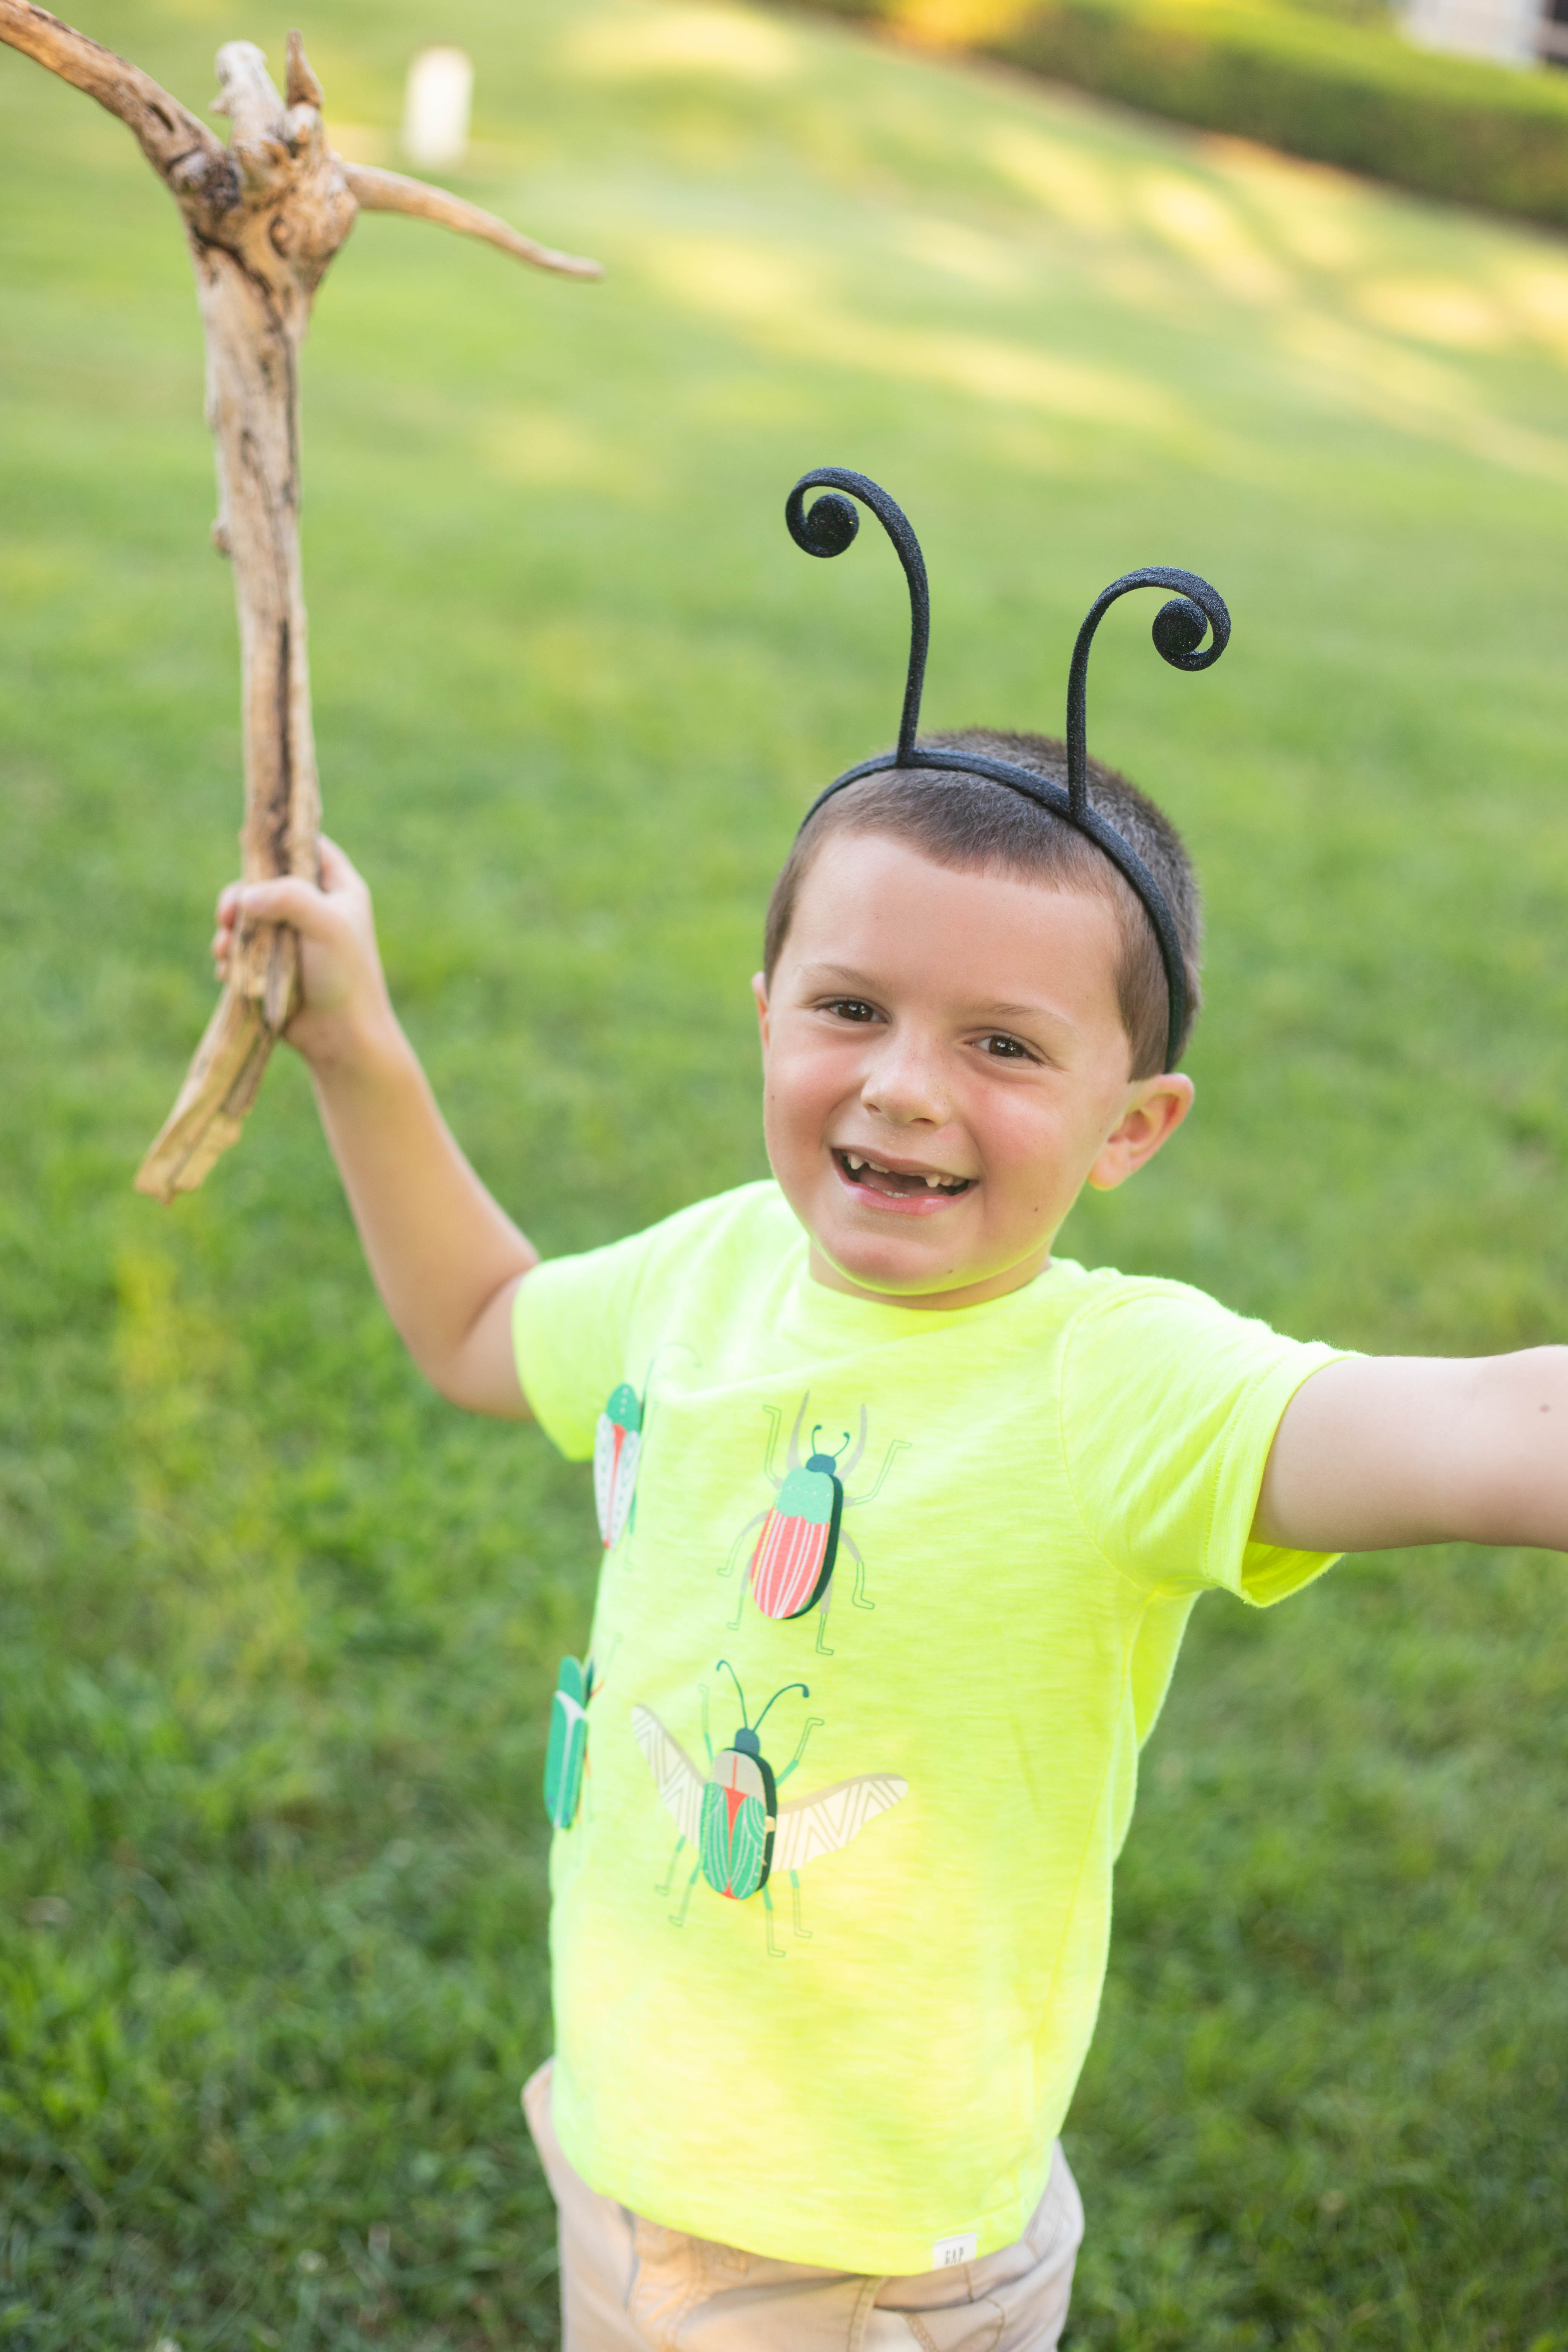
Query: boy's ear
x=760 y=991
x=1157 y=1108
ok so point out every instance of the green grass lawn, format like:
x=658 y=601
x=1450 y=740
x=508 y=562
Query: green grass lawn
x=279 y=1627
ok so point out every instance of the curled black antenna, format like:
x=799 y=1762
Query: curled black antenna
x=1179 y=630
x=830 y=527
x=779 y=1694
x=1194 y=611
x=724 y=1664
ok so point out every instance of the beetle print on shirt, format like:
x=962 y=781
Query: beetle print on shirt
x=743 y=1839
x=617 y=1445
x=566 y=1754
x=795 y=1555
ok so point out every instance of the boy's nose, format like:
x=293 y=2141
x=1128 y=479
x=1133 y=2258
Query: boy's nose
x=905 y=1087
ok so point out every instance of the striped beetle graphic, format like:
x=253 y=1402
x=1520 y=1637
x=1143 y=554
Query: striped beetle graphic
x=801 y=1536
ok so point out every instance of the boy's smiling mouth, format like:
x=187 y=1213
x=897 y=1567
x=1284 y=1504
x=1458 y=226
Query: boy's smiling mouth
x=887 y=1182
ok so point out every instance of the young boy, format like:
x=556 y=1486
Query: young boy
x=874 y=1466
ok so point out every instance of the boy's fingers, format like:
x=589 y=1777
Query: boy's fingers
x=337 y=871
x=228 y=901
x=340 y=876
x=289 y=900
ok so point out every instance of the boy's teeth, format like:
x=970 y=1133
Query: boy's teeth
x=854 y=1162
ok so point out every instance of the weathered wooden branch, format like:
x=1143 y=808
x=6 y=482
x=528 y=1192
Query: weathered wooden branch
x=389 y=192
x=263 y=218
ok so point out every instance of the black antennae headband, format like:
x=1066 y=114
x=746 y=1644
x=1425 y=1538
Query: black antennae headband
x=1196 y=610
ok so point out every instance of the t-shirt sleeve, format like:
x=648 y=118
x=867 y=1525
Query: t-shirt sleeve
x=569 y=1325
x=1168 y=1407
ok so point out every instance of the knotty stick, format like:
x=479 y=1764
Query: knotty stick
x=263 y=216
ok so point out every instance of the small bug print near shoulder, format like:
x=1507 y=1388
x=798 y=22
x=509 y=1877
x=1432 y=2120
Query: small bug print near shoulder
x=618 y=1447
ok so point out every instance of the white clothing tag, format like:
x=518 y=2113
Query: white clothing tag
x=948 y=2253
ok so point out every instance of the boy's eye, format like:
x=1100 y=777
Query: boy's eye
x=1006 y=1049
x=851 y=1008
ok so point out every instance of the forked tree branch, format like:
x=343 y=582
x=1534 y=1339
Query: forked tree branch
x=390 y=192
x=300 y=84
x=164 y=131
x=263 y=218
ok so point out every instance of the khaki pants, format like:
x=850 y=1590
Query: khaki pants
x=628 y=2285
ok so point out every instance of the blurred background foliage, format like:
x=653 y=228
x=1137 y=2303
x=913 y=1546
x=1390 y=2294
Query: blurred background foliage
x=1341 y=81
x=278 y=1628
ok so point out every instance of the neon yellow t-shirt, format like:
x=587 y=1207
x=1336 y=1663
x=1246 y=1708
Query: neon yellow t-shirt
x=993 y=1523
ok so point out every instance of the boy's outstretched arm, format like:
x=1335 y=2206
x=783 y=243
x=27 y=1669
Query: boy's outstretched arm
x=1375 y=1451
x=446 y=1258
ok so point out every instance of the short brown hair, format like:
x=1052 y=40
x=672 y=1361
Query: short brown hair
x=970 y=822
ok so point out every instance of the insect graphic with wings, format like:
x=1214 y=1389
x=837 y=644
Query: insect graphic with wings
x=743 y=1836
x=617 y=1442
x=620 y=1436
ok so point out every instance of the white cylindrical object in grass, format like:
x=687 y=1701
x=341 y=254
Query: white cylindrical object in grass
x=435 y=110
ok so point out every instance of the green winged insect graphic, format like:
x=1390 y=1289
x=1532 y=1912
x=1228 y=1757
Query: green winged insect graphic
x=567 y=1751
x=743 y=1836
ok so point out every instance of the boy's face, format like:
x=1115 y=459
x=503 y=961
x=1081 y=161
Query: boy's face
x=926 y=1025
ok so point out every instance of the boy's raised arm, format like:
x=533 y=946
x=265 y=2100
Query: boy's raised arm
x=1377 y=1450
x=446 y=1258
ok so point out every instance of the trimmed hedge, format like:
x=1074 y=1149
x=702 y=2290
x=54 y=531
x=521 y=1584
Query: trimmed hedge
x=1340 y=92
